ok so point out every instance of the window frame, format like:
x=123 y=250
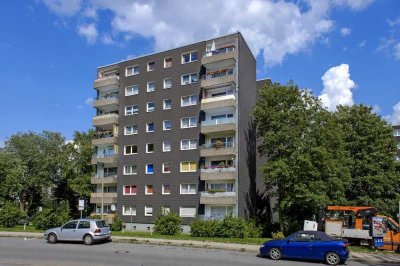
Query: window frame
x=163 y=189
x=130 y=188
x=167 y=129
x=148 y=110
x=170 y=146
x=146 y=169
x=165 y=87
x=189 y=171
x=188 y=189
x=164 y=108
x=130 y=173
x=133 y=72
x=133 y=112
x=147 y=86
x=131 y=208
x=148 y=193
x=132 y=86
x=183 y=216
x=190 y=57
x=190 y=78
x=163 y=170
x=133 y=132
x=146 y=207
x=147 y=148
x=165 y=65
x=147 y=127
x=190 y=103
x=189 y=126
x=196 y=141
x=148 y=66
x=132 y=153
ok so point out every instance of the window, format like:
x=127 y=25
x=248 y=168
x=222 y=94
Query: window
x=187 y=211
x=132 y=70
x=131 y=109
x=132 y=90
x=189 y=79
x=188 y=189
x=188 y=122
x=166 y=168
x=130 y=130
x=167 y=104
x=151 y=66
x=149 y=190
x=150 y=107
x=150 y=127
x=149 y=148
x=166 y=189
x=130 y=190
x=149 y=169
x=167 y=83
x=130 y=170
x=396 y=132
x=167 y=125
x=130 y=149
x=167 y=62
x=70 y=225
x=129 y=210
x=189 y=57
x=188 y=166
x=151 y=86
x=166 y=146
x=165 y=210
x=148 y=211
x=188 y=144
x=84 y=225
x=189 y=100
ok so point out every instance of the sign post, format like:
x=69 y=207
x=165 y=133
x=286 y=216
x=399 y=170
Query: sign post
x=81 y=206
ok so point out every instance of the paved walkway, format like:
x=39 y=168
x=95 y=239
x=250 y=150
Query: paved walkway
x=373 y=258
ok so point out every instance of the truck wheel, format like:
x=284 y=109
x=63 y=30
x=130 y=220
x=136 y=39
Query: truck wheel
x=275 y=253
x=52 y=238
x=88 y=239
x=332 y=258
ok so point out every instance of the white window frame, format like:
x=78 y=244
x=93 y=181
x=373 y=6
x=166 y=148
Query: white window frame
x=165 y=65
x=145 y=190
x=188 y=189
x=126 y=210
x=148 y=173
x=189 y=144
x=190 y=56
x=164 y=172
x=125 y=153
x=147 y=127
x=133 y=112
x=147 y=148
x=190 y=100
x=146 y=208
x=164 y=106
x=148 y=109
x=131 y=172
x=128 y=194
x=190 y=79
x=164 y=85
x=163 y=189
x=165 y=209
x=167 y=129
x=133 y=91
x=133 y=72
x=148 y=86
x=190 y=118
x=193 y=209
x=148 y=66
x=170 y=146
x=133 y=130
x=190 y=171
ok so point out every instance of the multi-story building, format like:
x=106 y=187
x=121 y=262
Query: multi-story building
x=396 y=134
x=171 y=133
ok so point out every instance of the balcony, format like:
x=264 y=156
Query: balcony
x=103 y=138
x=104 y=158
x=218 y=173
x=111 y=102
x=218 y=102
x=108 y=198
x=218 y=77
x=112 y=179
x=217 y=149
x=108 y=82
x=218 y=198
x=104 y=120
x=225 y=125
x=219 y=55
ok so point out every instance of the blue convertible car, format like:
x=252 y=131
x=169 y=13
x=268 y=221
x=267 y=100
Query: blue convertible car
x=307 y=245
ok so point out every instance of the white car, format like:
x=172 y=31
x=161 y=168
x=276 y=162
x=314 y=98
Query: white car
x=86 y=230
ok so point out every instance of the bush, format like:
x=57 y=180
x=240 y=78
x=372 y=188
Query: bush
x=10 y=214
x=202 y=228
x=117 y=224
x=232 y=227
x=168 y=224
x=52 y=217
x=252 y=230
x=278 y=235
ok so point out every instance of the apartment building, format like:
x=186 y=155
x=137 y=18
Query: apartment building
x=396 y=134
x=171 y=133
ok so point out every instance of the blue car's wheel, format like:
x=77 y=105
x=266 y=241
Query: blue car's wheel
x=275 y=253
x=332 y=258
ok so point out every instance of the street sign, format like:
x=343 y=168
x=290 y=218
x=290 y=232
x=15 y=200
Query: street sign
x=81 y=205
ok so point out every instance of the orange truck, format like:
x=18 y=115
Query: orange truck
x=358 y=225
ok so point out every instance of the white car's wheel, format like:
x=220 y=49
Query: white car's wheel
x=52 y=238
x=332 y=258
x=275 y=253
x=88 y=240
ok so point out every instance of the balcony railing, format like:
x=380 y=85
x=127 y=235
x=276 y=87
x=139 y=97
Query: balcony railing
x=207 y=194
x=106 y=97
x=107 y=78
x=103 y=135
x=218 y=169
x=220 y=51
x=104 y=155
x=218 y=74
x=218 y=121
x=207 y=94
x=218 y=145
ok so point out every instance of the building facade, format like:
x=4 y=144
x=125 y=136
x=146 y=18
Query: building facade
x=172 y=133
x=396 y=134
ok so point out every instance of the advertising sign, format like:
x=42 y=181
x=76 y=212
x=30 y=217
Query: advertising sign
x=378 y=227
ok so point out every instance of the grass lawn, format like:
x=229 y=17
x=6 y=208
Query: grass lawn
x=20 y=228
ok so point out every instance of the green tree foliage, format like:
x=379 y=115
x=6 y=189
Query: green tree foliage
x=168 y=224
x=52 y=217
x=305 y=159
x=10 y=214
x=117 y=224
x=370 y=149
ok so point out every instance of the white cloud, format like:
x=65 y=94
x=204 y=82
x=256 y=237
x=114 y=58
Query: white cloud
x=393 y=23
x=89 y=101
x=337 y=87
x=396 y=51
x=390 y=46
x=107 y=39
x=63 y=7
x=362 y=44
x=376 y=109
x=89 y=32
x=273 y=29
x=394 y=118
x=2 y=143
x=345 y=31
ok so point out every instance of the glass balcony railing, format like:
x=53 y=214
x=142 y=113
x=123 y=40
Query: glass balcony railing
x=107 y=97
x=218 y=145
x=104 y=155
x=103 y=135
x=218 y=169
x=218 y=121
x=218 y=74
x=220 y=51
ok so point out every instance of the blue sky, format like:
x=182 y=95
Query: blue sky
x=345 y=51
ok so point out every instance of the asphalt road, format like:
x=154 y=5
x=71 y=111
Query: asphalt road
x=20 y=251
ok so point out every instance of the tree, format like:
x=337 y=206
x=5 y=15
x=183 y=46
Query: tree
x=370 y=149
x=304 y=153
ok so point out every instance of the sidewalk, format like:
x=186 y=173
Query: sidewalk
x=375 y=258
